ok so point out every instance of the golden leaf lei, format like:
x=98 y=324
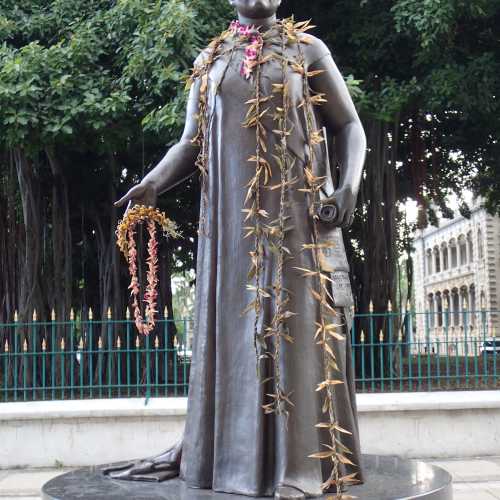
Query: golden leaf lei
x=252 y=42
x=125 y=234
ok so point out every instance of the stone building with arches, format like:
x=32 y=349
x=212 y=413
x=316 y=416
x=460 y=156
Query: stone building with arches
x=456 y=276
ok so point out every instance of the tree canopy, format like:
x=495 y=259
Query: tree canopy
x=91 y=96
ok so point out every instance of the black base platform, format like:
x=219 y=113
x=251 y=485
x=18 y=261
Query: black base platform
x=387 y=478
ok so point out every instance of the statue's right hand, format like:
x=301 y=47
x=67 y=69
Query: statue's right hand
x=143 y=193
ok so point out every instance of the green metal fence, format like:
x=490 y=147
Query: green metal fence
x=87 y=358
x=413 y=351
x=79 y=359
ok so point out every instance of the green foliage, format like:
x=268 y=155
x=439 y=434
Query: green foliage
x=433 y=66
x=438 y=20
x=94 y=68
x=98 y=87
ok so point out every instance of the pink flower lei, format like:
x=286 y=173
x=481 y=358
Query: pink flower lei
x=125 y=233
x=252 y=50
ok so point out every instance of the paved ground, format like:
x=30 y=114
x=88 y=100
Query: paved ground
x=474 y=479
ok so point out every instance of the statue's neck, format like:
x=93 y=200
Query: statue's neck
x=266 y=22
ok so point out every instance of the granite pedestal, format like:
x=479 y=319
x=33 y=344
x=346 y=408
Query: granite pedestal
x=387 y=478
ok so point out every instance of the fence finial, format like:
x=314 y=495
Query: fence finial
x=35 y=317
x=16 y=316
x=25 y=345
x=99 y=343
x=6 y=347
x=71 y=315
x=466 y=304
x=381 y=336
x=91 y=314
x=408 y=304
x=44 y=345
x=157 y=342
x=118 y=342
x=63 y=344
x=389 y=305
x=109 y=313
x=127 y=313
x=53 y=315
x=165 y=311
x=400 y=336
x=362 y=337
x=137 y=342
x=370 y=308
x=80 y=345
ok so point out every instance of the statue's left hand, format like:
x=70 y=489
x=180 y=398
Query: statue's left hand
x=345 y=200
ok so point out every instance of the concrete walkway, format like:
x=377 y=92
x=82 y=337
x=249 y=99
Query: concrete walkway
x=474 y=479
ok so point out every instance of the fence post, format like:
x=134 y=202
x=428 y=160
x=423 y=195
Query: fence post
x=446 y=340
x=466 y=342
x=372 y=346
x=363 y=372
x=109 y=345
x=6 y=370
x=91 y=353
x=16 y=355
x=128 y=351
x=485 y=354
x=72 y=353
x=33 y=351
x=391 y=345
x=381 y=346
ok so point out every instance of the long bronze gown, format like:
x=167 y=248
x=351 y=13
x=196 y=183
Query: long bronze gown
x=229 y=444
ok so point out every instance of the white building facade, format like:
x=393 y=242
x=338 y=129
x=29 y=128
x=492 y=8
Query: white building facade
x=456 y=276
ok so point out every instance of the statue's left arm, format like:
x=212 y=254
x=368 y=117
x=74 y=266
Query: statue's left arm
x=342 y=121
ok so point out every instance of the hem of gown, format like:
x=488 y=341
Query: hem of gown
x=231 y=491
x=269 y=493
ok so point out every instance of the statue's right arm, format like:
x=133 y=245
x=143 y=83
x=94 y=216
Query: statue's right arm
x=176 y=166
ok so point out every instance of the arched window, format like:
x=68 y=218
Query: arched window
x=455 y=299
x=437 y=260
x=462 y=250
x=444 y=251
x=480 y=247
x=454 y=254
x=446 y=307
x=429 y=262
x=430 y=301
x=470 y=246
x=472 y=304
x=482 y=300
x=439 y=309
x=464 y=304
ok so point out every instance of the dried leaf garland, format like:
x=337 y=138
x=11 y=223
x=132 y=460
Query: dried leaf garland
x=322 y=296
x=280 y=399
x=125 y=233
x=201 y=138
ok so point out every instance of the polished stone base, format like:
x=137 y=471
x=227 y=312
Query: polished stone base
x=387 y=478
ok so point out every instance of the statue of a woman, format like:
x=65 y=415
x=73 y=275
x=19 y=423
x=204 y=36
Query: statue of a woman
x=271 y=407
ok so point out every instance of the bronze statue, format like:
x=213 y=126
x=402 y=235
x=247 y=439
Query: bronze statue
x=272 y=381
